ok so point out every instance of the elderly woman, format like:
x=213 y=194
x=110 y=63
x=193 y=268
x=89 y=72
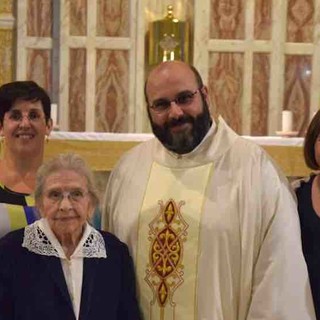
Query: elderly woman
x=60 y=267
x=308 y=195
x=25 y=124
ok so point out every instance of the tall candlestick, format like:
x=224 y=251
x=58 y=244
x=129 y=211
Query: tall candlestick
x=286 y=121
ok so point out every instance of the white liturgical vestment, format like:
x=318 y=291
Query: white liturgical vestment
x=214 y=233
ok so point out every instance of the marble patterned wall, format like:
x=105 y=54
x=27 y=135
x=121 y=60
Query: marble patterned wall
x=39 y=26
x=112 y=69
x=262 y=20
x=113 y=18
x=112 y=85
x=6 y=41
x=39 y=67
x=6 y=6
x=227 y=71
x=39 y=22
x=260 y=97
x=261 y=69
x=78 y=18
x=225 y=86
x=77 y=89
x=101 y=180
x=93 y=61
x=109 y=58
x=227 y=19
x=6 y=53
x=297 y=90
x=300 y=21
x=298 y=69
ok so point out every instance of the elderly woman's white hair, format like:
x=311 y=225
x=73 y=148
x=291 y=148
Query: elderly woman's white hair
x=65 y=161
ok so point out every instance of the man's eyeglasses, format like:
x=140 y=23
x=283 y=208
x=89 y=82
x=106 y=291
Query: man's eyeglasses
x=183 y=99
x=76 y=195
x=32 y=116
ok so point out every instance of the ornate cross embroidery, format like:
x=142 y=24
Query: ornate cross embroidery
x=165 y=270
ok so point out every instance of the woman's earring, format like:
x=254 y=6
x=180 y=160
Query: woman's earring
x=46 y=138
x=1 y=139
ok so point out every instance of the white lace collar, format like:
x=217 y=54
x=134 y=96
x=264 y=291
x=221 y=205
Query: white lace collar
x=39 y=238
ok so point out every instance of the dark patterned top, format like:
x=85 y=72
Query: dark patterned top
x=310 y=234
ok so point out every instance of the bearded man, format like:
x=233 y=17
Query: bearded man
x=210 y=222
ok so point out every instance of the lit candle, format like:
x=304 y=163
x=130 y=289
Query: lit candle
x=286 y=121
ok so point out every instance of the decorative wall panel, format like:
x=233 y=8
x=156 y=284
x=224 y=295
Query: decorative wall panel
x=225 y=87
x=260 y=94
x=101 y=179
x=100 y=84
x=227 y=19
x=300 y=20
x=113 y=18
x=6 y=41
x=6 y=53
x=112 y=85
x=262 y=19
x=39 y=18
x=77 y=89
x=6 y=6
x=39 y=67
x=297 y=90
x=78 y=17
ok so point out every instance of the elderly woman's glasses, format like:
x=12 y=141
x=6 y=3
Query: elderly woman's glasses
x=76 y=195
x=183 y=99
x=32 y=116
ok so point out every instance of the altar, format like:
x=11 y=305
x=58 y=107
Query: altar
x=103 y=150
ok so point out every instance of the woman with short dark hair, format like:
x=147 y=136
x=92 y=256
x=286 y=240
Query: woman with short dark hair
x=25 y=124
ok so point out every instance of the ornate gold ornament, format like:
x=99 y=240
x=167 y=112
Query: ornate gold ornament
x=169 y=39
x=165 y=270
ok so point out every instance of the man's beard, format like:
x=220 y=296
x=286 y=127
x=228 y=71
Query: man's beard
x=187 y=140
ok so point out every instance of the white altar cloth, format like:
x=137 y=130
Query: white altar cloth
x=136 y=137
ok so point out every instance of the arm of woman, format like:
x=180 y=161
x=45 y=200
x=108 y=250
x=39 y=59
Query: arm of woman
x=128 y=308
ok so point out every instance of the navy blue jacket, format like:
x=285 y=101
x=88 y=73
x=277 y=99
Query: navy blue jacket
x=32 y=286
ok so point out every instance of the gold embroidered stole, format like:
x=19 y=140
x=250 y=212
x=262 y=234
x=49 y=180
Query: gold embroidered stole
x=168 y=242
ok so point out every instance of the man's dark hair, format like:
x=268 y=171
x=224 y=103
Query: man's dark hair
x=310 y=141
x=23 y=90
